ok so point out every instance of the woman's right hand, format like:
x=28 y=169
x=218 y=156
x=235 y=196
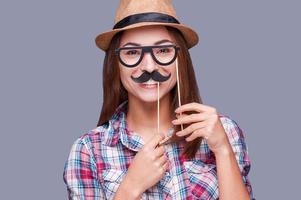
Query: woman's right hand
x=148 y=165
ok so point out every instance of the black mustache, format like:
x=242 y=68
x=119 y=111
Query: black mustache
x=155 y=75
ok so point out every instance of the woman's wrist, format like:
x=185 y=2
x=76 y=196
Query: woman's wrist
x=223 y=150
x=129 y=190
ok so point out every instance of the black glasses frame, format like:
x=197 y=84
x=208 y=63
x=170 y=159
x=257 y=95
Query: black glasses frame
x=147 y=49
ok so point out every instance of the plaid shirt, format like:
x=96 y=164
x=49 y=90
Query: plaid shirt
x=99 y=160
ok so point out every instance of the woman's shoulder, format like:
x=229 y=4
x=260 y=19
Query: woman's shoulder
x=92 y=138
x=231 y=126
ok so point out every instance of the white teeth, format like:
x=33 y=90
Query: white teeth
x=150 y=82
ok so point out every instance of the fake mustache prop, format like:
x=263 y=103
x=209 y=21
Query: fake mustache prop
x=155 y=75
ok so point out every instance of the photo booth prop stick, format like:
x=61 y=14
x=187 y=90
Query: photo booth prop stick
x=179 y=94
x=156 y=76
x=158 y=108
x=166 y=140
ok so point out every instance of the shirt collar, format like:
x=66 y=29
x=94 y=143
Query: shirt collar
x=117 y=130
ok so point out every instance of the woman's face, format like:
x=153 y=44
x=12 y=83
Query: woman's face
x=147 y=36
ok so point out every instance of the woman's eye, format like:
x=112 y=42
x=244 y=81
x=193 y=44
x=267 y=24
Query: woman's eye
x=165 y=50
x=132 y=52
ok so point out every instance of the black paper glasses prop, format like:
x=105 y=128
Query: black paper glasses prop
x=161 y=54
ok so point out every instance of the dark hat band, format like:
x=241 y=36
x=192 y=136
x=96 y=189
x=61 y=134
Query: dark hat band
x=145 y=17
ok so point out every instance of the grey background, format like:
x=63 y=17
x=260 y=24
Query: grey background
x=247 y=64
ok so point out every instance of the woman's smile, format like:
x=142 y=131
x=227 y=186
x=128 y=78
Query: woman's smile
x=150 y=84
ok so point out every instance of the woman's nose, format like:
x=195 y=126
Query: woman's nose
x=147 y=63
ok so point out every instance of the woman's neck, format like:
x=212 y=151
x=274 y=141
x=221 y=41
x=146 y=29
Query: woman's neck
x=142 y=116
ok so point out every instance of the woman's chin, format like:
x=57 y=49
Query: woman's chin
x=149 y=99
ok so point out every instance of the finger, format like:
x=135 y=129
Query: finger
x=196 y=134
x=192 y=128
x=163 y=168
x=159 y=151
x=162 y=160
x=195 y=107
x=155 y=140
x=180 y=115
x=191 y=118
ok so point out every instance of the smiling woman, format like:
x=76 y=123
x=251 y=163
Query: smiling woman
x=149 y=80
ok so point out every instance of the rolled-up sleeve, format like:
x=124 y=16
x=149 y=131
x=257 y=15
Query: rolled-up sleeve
x=239 y=146
x=80 y=173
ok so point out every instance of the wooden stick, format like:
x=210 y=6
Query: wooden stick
x=162 y=142
x=158 y=110
x=166 y=140
x=179 y=94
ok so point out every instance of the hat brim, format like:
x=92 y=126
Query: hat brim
x=103 y=40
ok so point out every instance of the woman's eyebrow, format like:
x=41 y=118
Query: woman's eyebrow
x=156 y=43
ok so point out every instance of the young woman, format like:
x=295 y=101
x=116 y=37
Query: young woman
x=150 y=96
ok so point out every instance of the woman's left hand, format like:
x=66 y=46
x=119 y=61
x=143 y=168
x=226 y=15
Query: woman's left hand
x=205 y=123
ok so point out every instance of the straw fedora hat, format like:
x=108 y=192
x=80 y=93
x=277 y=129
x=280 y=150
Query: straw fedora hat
x=137 y=13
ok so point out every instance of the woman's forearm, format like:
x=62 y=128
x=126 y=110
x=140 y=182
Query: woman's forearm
x=230 y=182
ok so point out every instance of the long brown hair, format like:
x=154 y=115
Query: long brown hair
x=114 y=93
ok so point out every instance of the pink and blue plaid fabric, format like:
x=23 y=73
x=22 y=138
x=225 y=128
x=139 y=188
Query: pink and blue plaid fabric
x=99 y=160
